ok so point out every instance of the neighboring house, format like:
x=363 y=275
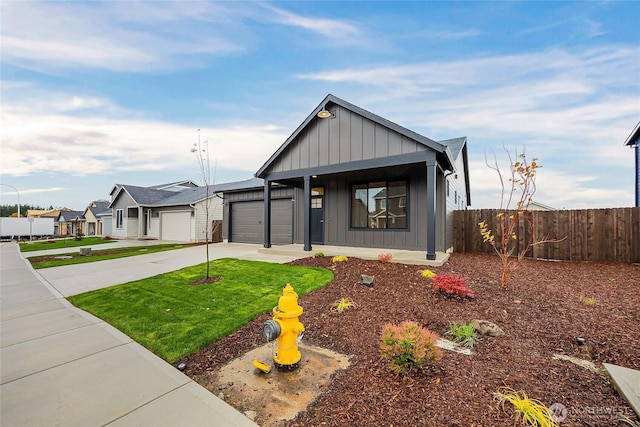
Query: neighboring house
x=633 y=140
x=106 y=220
x=68 y=223
x=535 y=206
x=93 y=221
x=174 y=211
x=351 y=178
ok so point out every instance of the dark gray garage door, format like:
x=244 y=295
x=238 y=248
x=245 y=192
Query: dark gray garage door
x=247 y=222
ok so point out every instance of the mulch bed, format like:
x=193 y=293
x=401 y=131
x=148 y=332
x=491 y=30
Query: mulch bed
x=546 y=306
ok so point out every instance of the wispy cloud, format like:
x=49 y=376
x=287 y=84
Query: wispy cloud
x=331 y=28
x=104 y=35
x=445 y=34
x=82 y=135
x=557 y=103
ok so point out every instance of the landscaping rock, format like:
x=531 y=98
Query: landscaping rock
x=484 y=327
x=367 y=280
x=85 y=251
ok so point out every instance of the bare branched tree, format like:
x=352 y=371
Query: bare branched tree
x=519 y=188
x=201 y=151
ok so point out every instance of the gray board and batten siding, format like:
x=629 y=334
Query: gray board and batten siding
x=354 y=146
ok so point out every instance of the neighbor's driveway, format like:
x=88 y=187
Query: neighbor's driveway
x=76 y=279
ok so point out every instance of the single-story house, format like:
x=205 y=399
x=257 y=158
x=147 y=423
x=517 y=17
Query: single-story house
x=93 y=221
x=176 y=211
x=348 y=177
x=68 y=223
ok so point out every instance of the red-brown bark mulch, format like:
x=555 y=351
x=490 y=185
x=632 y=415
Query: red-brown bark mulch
x=546 y=306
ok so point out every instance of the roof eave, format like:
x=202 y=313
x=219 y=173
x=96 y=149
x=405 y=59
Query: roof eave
x=634 y=136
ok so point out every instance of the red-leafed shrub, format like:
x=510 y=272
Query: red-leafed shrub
x=385 y=257
x=453 y=284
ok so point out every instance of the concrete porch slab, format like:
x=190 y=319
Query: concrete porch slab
x=626 y=381
x=399 y=255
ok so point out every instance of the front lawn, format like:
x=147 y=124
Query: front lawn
x=173 y=318
x=71 y=258
x=70 y=242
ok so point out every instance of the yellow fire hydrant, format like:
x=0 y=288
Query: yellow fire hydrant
x=286 y=328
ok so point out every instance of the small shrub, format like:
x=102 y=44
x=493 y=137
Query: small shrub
x=343 y=304
x=428 y=274
x=408 y=347
x=530 y=411
x=464 y=334
x=385 y=257
x=318 y=255
x=339 y=258
x=453 y=284
x=588 y=301
x=107 y=238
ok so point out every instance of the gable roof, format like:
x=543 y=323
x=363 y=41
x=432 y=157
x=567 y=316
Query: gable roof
x=188 y=196
x=97 y=206
x=175 y=186
x=152 y=197
x=71 y=216
x=143 y=196
x=334 y=100
x=458 y=146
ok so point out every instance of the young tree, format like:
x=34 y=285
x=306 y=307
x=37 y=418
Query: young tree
x=522 y=181
x=201 y=151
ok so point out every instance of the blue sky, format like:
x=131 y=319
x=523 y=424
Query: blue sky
x=98 y=93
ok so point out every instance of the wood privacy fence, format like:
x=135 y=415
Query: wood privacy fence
x=591 y=234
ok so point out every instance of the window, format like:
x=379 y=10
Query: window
x=381 y=204
x=118 y=218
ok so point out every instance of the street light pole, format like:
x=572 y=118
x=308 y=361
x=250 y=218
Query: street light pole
x=17 y=192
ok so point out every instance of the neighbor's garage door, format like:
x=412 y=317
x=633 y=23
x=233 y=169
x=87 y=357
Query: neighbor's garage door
x=247 y=220
x=175 y=226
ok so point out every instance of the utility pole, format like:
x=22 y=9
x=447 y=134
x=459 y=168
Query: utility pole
x=17 y=192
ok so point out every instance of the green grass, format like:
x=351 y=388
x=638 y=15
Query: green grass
x=102 y=255
x=70 y=242
x=172 y=318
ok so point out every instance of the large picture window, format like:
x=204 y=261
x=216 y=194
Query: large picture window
x=381 y=204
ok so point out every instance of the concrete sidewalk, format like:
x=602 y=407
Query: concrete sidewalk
x=76 y=279
x=63 y=367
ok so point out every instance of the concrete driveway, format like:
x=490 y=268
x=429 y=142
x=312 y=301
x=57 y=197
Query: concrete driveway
x=76 y=279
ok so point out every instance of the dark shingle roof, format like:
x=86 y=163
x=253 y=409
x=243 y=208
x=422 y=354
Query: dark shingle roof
x=98 y=206
x=455 y=146
x=71 y=215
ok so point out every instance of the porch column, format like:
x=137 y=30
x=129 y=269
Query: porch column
x=267 y=213
x=431 y=209
x=140 y=222
x=307 y=213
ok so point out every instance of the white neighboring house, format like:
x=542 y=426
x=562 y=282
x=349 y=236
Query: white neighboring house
x=174 y=212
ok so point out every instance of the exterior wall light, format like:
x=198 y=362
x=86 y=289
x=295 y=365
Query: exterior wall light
x=324 y=113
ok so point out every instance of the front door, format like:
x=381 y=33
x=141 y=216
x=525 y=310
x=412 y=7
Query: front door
x=317 y=215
